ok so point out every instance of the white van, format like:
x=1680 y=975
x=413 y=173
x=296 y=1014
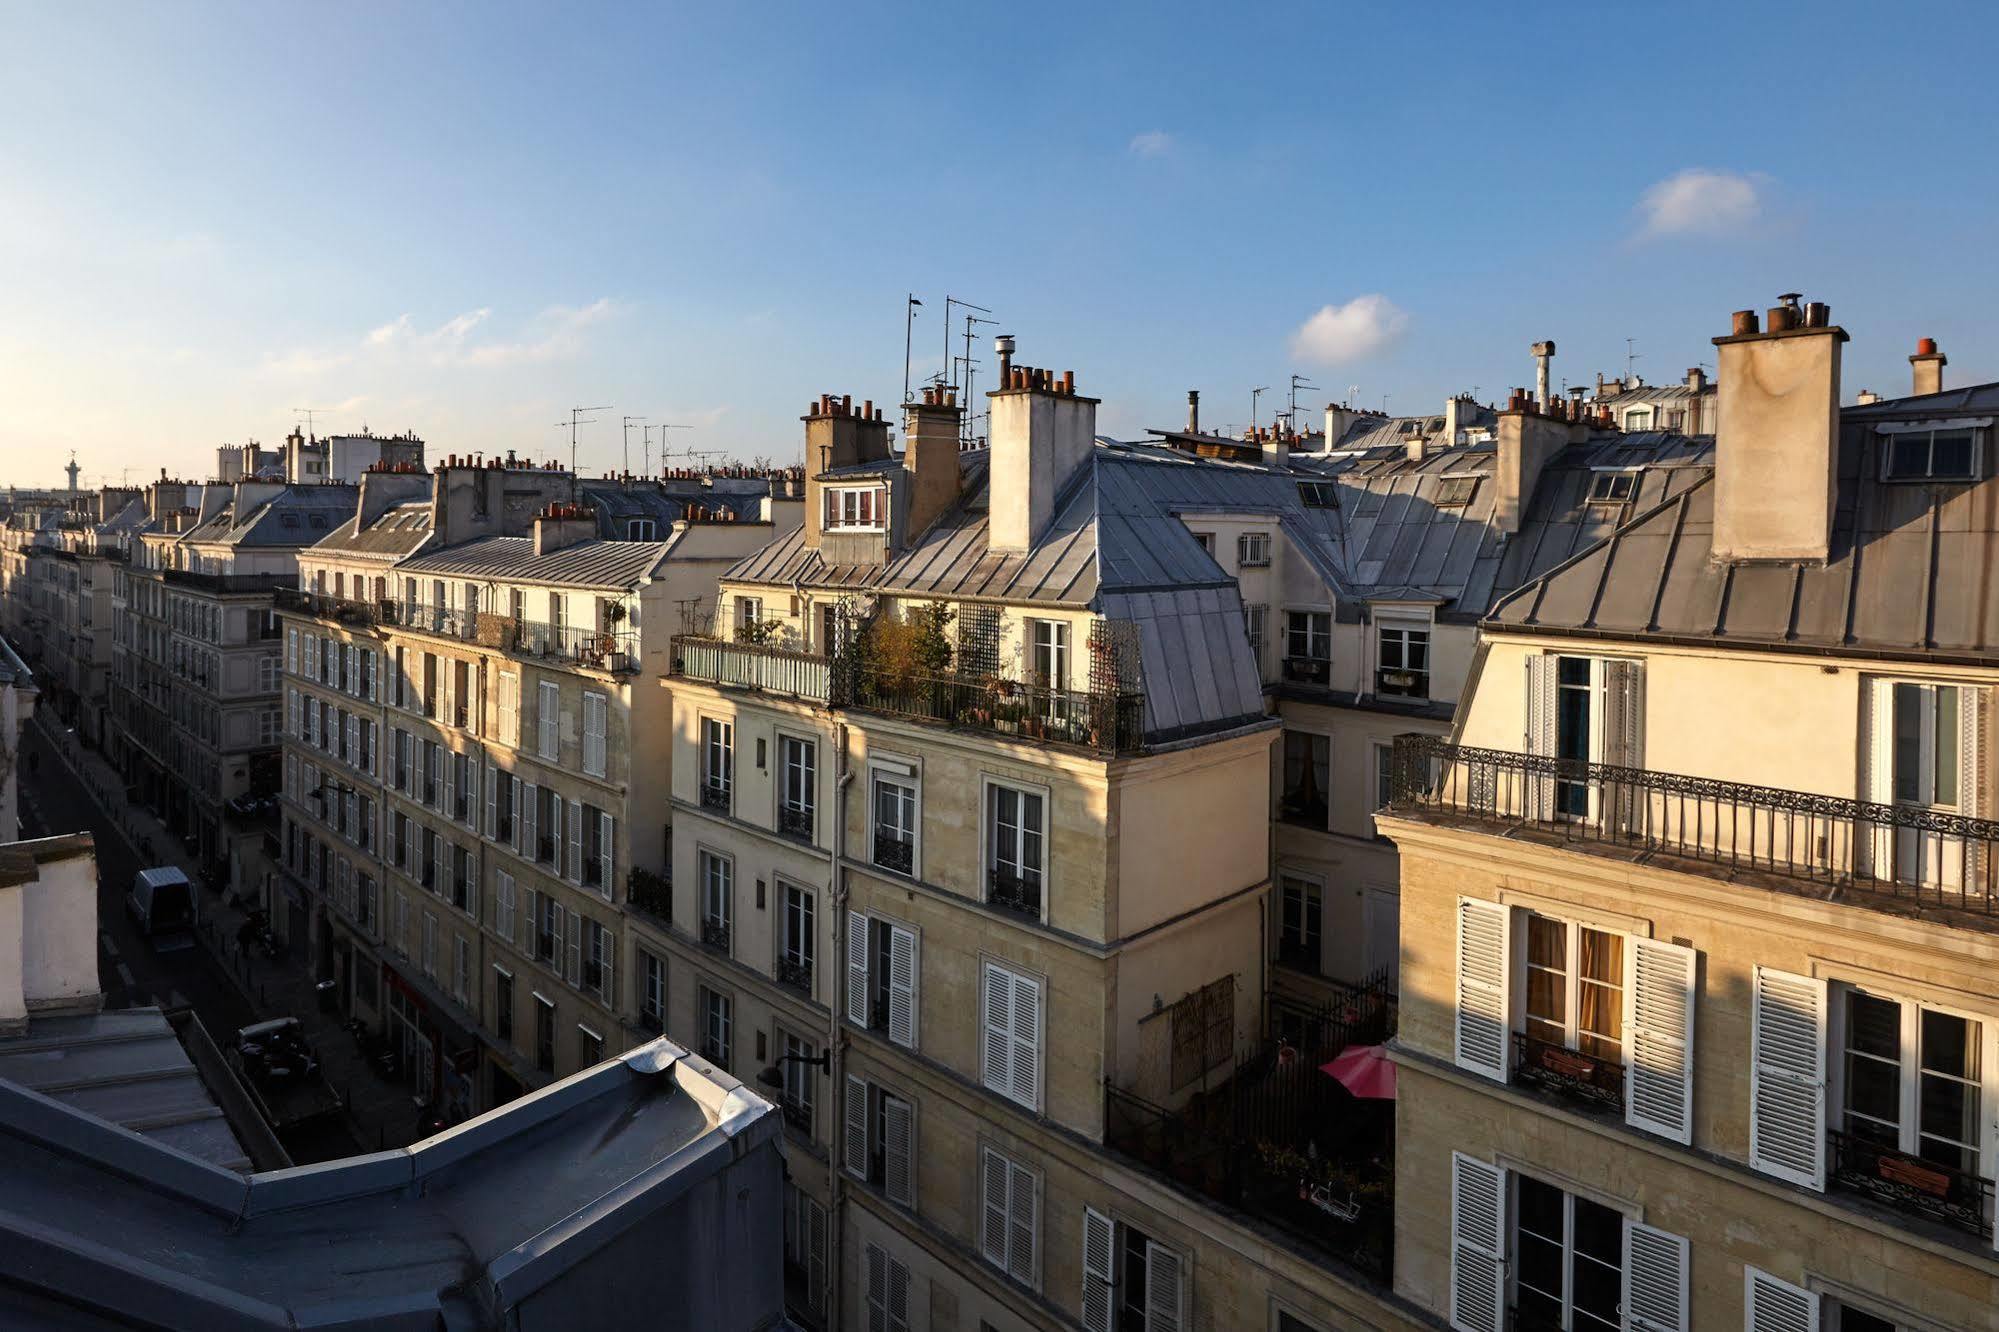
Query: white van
x=161 y=901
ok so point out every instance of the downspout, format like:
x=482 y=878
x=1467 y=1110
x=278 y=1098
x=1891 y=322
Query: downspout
x=835 y=1035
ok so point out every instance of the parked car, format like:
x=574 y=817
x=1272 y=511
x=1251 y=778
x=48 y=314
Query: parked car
x=162 y=901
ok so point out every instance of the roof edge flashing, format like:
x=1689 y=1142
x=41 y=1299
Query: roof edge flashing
x=45 y=1122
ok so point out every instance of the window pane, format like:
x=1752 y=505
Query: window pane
x=1950 y=453
x=1873 y=1090
x=1908 y=455
x=1547 y=942
x=1945 y=783
x=1874 y=1026
x=1949 y=1045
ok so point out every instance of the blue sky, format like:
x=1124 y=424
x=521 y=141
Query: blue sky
x=463 y=220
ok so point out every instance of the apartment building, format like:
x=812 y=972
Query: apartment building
x=971 y=789
x=463 y=838
x=1698 y=998
x=69 y=586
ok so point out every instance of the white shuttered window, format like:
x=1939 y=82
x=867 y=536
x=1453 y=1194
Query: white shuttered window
x=1787 y=1043
x=1010 y=1215
x=1011 y=1048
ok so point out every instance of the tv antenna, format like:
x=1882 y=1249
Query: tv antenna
x=1254 y=394
x=662 y=444
x=908 y=325
x=308 y=413
x=628 y=441
x=950 y=301
x=1631 y=356
x=577 y=418
x=1298 y=382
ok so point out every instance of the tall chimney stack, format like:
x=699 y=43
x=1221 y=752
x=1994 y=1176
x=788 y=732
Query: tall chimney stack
x=1193 y=411
x=1544 y=352
x=1927 y=367
x=1777 y=435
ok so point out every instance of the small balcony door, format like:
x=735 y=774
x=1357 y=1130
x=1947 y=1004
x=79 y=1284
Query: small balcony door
x=1923 y=757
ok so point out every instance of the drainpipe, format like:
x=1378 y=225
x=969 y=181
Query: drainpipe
x=836 y=1040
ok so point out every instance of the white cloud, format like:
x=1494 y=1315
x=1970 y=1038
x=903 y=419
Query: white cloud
x=1340 y=333
x=554 y=334
x=1152 y=143
x=1701 y=202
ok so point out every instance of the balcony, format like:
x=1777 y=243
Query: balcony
x=795 y=822
x=797 y=1113
x=1308 y=670
x=1911 y=1184
x=795 y=973
x=225 y=584
x=1837 y=848
x=715 y=797
x=715 y=933
x=650 y=893
x=892 y=853
x=750 y=666
x=1401 y=683
x=1019 y=893
x=1587 y=1080
x=340 y=610
x=614 y=650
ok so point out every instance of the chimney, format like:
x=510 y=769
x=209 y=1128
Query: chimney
x=1277 y=447
x=1696 y=379
x=1527 y=440
x=1042 y=432
x=381 y=490
x=1338 y=421
x=1866 y=398
x=837 y=435
x=1777 y=436
x=1193 y=411
x=1927 y=367
x=1544 y=353
x=1456 y=413
x=561 y=525
x=930 y=456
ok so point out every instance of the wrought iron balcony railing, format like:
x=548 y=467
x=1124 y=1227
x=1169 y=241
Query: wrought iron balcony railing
x=615 y=650
x=651 y=893
x=1015 y=892
x=795 y=973
x=1308 y=670
x=715 y=933
x=795 y=822
x=797 y=1113
x=714 y=797
x=1911 y=1184
x=897 y=854
x=1401 y=683
x=1933 y=857
x=1571 y=1074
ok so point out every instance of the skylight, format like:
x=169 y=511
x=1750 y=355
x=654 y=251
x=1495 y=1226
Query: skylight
x=1613 y=487
x=1319 y=494
x=1455 y=491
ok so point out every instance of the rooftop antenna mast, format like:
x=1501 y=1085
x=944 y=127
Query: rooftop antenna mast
x=577 y=418
x=908 y=326
x=1298 y=382
x=308 y=413
x=628 y=441
x=1630 y=358
x=950 y=301
x=662 y=444
x=1254 y=394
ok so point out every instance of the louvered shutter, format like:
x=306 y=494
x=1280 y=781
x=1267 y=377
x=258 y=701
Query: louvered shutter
x=902 y=986
x=1787 y=1077
x=1027 y=1041
x=995 y=1180
x=352 y=661
x=1539 y=739
x=1659 y=992
x=514 y=826
x=555 y=918
x=575 y=841
x=1655 y=1279
x=854 y=1125
x=530 y=800
x=1478 y=1245
x=524 y=924
x=311 y=657
x=857 y=968
x=492 y=802
x=607 y=843
x=816 y=1255
x=575 y=971
x=1971 y=767
x=554 y=833
x=898 y=1296
x=1023 y=1223
x=898 y=1151
x=608 y=985
x=996 y=1048
x=877 y=1289
x=291 y=651
x=1877 y=840
x=1099 y=1255
x=1771 y=1305
x=503 y=903
x=374 y=676
x=1484 y=952
x=1162 y=1288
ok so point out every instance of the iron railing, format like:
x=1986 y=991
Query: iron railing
x=614 y=650
x=1587 y=1079
x=1912 y=1184
x=714 y=797
x=715 y=933
x=897 y=854
x=797 y=1113
x=1308 y=670
x=1015 y=892
x=795 y=973
x=1931 y=856
x=651 y=893
x=795 y=822
x=752 y=666
x=225 y=583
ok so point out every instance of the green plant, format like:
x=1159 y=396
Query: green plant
x=758 y=632
x=897 y=653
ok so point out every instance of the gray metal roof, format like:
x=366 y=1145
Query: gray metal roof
x=398 y=531
x=297 y=516
x=1913 y=569
x=666 y=503
x=597 y=564
x=645 y=1188
x=127 y=1067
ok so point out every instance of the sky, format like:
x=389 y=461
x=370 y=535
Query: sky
x=464 y=220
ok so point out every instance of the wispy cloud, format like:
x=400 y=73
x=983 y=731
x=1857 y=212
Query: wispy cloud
x=1152 y=143
x=1700 y=201
x=1341 y=333
x=557 y=333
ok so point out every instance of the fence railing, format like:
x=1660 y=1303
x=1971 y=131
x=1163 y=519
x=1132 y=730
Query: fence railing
x=1935 y=857
x=1911 y=1184
x=615 y=650
x=753 y=666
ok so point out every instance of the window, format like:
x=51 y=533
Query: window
x=1048 y=641
x=461 y=968
x=1638 y=418
x=860 y=508
x=1931 y=455
x=804 y=1249
x=718 y=898
x=1009 y=1215
x=1384 y=776
x=600 y=948
x=503 y=1004
x=1569 y=1257
x=1910 y=1085
x=544 y=1034
x=749 y=615
x=1319 y=494
x=794 y=963
x=1454 y=492
x=1927 y=720
x=1010 y=1059
x=641 y=529
x=1308 y=646
x=880 y=1134
x=1252 y=550
x=1575 y=988
x=716 y=1027
x=1843 y=1317
x=589 y=1047
x=895 y=824
x=887 y=1292
x=510 y=708
x=1404 y=667
x=1307 y=792
x=797 y=1071
x=267 y=674
x=1613 y=487
x=1014 y=849
x=1298 y=932
x=548 y=719
x=596 y=715
x=718 y=762
x=1130 y=1282
x=1206 y=541
x=652 y=991
x=798 y=782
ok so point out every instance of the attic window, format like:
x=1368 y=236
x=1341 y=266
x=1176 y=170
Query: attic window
x=1613 y=487
x=1931 y=455
x=289 y=519
x=1638 y=418
x=641 y=529
x=1319 y=494
x=1454 y=492
x=860 y=509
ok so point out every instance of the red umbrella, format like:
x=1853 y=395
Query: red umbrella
x=1364 y=1070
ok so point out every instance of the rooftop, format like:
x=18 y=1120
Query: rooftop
x=597 y=565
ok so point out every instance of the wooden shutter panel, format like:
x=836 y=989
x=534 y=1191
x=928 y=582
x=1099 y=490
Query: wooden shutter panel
x=575 y=841
x=877 y=1288
x=525 y=923
x=1478 y=1245
x=1162 y=1288
x=1659 y=1081
x=575 y=970
x=492 y=802
x=1027 y=1041
x=1771 y=1305
x=854 y=1124
x=530 y=798
x=514 y=829
x=1483 y=1043
x=995 y=1181
x=902 y=986
x=1540 y=731
x=1655 y=1279
x=857 y=968
x=1099 y=1255
x=996 y=1045
x=899 y=1151
x=1023 y=1223
x=1787 y=1077
x=607 y=842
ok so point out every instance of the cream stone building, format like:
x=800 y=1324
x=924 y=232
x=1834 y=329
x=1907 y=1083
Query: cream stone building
x=1698 y=994
x=464 y=836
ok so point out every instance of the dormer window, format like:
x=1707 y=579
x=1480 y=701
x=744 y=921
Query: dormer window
x=1926 y=454
x=1613 y=487
x=1638 y=418
x=1318 y=494
x=1454 y=492
x=641 y=529
x=857 y=508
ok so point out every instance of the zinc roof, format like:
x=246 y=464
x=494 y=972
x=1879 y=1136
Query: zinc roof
x=595 y=564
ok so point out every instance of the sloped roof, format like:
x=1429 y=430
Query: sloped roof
x=398 y=531
x=1913 y=569
x=596 y=564
x=296 y=516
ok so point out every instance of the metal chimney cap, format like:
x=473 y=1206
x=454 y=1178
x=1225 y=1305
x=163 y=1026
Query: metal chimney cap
x=1003 y=343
